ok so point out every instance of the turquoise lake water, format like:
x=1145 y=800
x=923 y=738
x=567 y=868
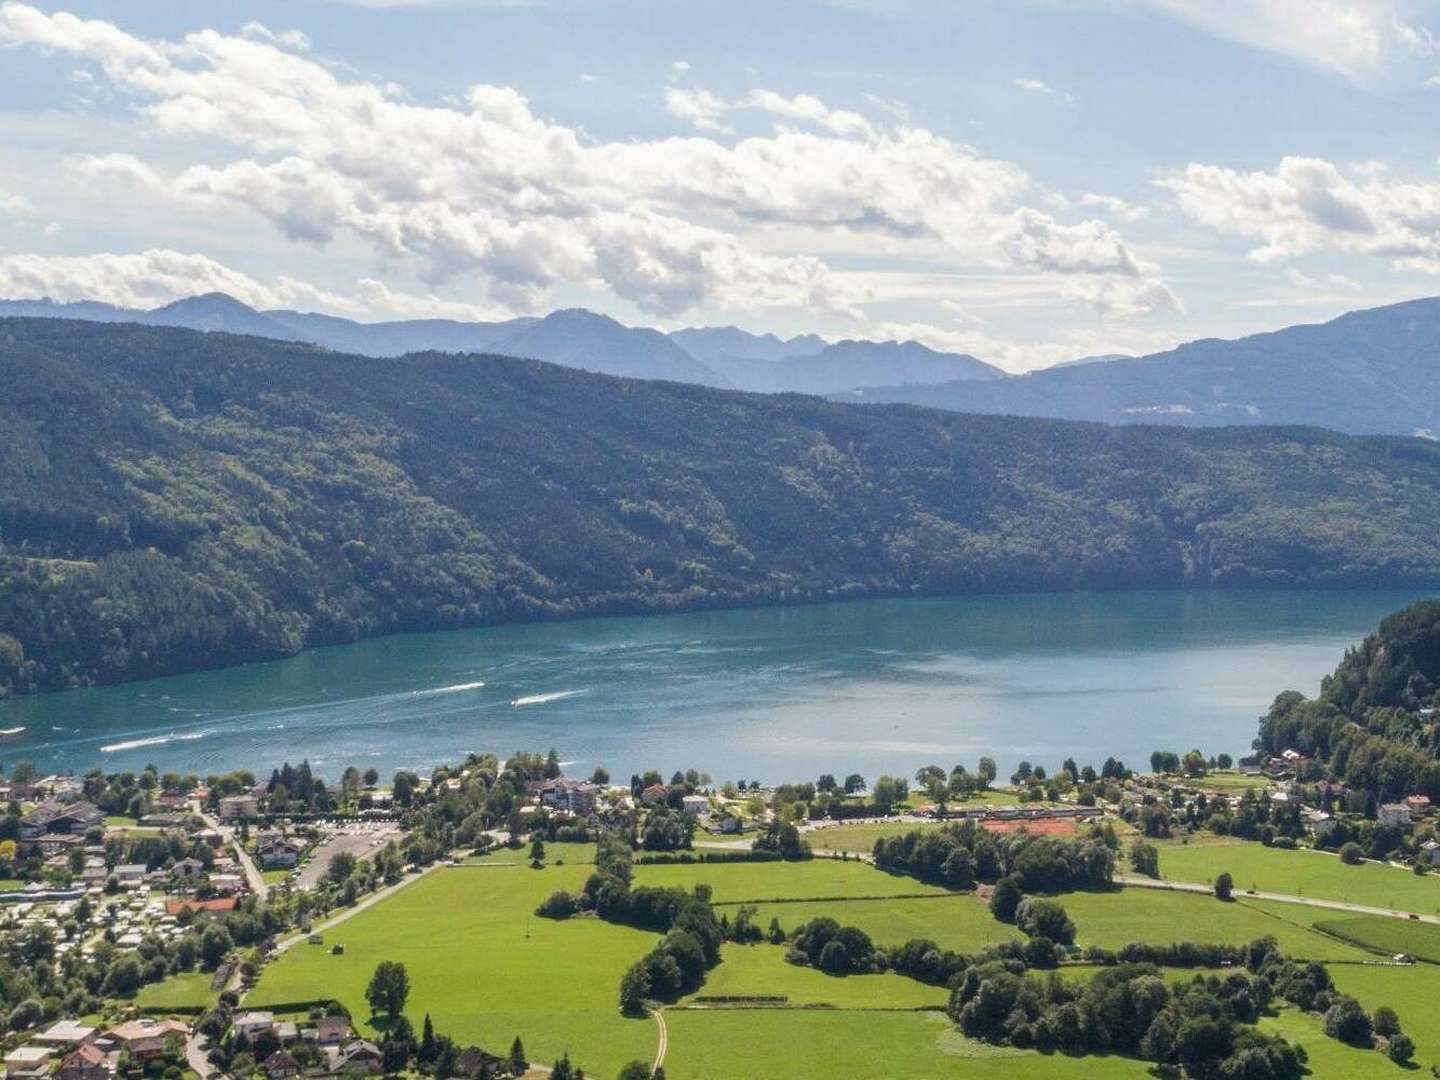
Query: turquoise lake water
x=774 y=693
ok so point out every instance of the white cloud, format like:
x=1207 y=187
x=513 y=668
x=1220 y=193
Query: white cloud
x=1357 y=38
x=1309 y=205
x=486 y=188
x=1036 y=86
x=1115 y=207
x=291 y=39
x=586 y=77
x=14 y=205
x=158 y=276
x=698 y=107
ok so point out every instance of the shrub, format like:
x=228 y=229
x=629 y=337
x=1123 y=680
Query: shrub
x=1351 y=854
x=1006 y=899
x=558 y=905
x=1046 y=919
x=1224 y=886
x=1347 y=1021
x=1401 y=1048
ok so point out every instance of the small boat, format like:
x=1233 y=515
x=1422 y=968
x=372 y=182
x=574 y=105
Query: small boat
x=11 y=730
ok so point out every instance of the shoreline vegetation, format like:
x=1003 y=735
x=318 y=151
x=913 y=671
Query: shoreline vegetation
x=173 y=501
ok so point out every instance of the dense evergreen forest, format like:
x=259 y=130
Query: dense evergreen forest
x=172 y=500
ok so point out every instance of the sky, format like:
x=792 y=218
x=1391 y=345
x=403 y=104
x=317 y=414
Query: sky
x=1028 y=181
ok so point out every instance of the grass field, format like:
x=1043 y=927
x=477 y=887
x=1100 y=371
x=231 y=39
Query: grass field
x=821 y=1044
x=1411 y=991
x=861 y=838
x=1330 y=1057
x=1301 y=873
x=816 y=879
x=178 y=991
x=483 y=967
x=1113 y=919
x=556 y=854
x=961 y=922
x=1387 y=935
x=746 y=970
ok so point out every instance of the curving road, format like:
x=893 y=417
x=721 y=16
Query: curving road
x=659 y=1015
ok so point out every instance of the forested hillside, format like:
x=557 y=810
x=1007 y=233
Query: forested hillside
x=174 y=500
x=1374 y=724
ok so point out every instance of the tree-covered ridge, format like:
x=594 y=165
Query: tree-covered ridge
x=172 y=500
x=1374 y=724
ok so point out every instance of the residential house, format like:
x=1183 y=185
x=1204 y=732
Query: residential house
x=695 y=804
x=87 y=1062
x=253 y=1023
x=655 y=793
x=145 y=1037
x=1419 y=805
x=188 y=868
x=1394 y=814
x=332 y=1030
x=239 y=808
x=1430 y=852
x=130 y=875
x=95 y=871
x=358 y=1056
x=66 y=1035
x=575 y=796
x=1319 y=824
x=280 y=1065
x=50 y=818
x=28 y=1062
x=278 y=852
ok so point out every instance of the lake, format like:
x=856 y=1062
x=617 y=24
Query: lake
x=771 y=693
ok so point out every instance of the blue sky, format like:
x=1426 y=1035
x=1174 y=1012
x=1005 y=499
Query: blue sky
x=1026 y=181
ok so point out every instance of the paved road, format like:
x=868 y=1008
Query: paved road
x=195 y=1049
x=1284 y=898
x=253 y=877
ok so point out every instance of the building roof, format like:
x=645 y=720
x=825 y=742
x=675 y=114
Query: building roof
x=88 y=1054
x=174 y=906
x=67 y=1031
x=146 y=1027
x=29 y=1055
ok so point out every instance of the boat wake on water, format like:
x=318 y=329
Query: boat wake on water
x=153 y=740
x=457 y=688
x=542 y=699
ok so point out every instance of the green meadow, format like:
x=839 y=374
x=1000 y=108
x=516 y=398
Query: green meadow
x=821 y=1044
x=815 y=879
x=751 y=970
x=960 y=922
x=1159 y=917
x=190 y=989
x=1306 y=873
x=483 y=966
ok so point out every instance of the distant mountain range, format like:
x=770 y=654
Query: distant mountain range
x=1372 y=371
x=1375 y=371
x=724 y=357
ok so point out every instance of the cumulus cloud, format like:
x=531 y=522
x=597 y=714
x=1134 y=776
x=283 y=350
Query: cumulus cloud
x=158 y=276
x=485 y=187
x=1356 y=38
x=1308 y=205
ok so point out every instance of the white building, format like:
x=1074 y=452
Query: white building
x=1396 y=814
